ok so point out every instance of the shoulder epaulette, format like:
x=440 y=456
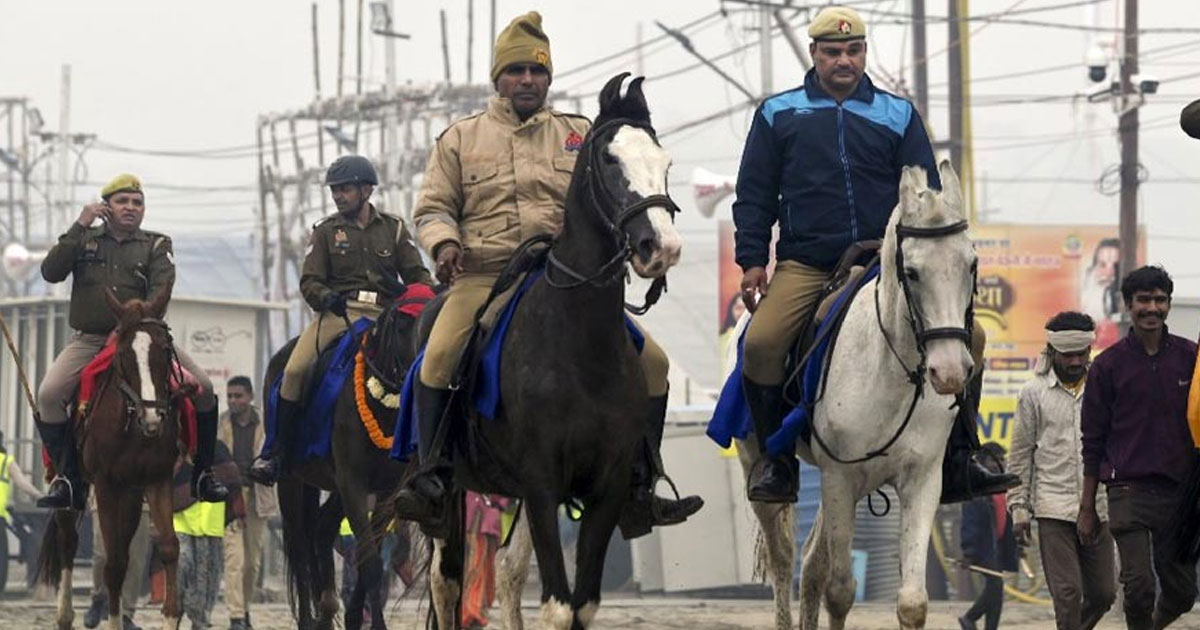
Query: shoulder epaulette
x=460 y=120
x=555 y=112
x=323 y=221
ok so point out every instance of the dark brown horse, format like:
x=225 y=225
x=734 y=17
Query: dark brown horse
x=357 y=468
x=574 y=395
x=129 y=444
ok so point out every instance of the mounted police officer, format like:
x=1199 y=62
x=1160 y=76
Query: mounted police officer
x=353 y=260
x=495 y=180
x=134 y=264
x=824 y=161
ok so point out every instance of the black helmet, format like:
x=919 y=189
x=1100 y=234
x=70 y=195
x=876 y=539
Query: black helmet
x=351 y=169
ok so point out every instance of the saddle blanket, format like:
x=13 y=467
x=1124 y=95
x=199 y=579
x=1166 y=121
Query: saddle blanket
x=89 y=380
x=314 y=435
x=485 y=392
x=731 y=418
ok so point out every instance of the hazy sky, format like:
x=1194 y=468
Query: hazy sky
x=169 y=75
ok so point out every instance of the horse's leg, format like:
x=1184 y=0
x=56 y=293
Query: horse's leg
x=447 y=568
x=837 y=505
x=814 y=572
x=161 y=514
x=120 y=511
x=777 y=551
x=542 y=513
x=595 y=531
x=512 y=573
x=366 y=555
x=918 y=503
x=329 y=521
x=68 y=540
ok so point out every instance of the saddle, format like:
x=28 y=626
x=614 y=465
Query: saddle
x=846 y=277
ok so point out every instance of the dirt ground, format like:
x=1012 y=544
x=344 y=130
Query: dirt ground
x=632 y=614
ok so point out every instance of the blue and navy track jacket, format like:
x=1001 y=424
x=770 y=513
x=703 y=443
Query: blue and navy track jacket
x=828 y=172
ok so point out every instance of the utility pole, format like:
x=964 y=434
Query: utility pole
x=63 y=201
x=767 y=59
x=492 y=39
x=470 y=40
x=920 y=64
x=955 y=80
x=445 y=48
x=1128 y=129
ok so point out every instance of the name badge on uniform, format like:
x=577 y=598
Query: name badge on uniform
x=341 y=240
x=91 y=249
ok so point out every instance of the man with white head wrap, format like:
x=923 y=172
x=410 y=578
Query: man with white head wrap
x=1046 y=455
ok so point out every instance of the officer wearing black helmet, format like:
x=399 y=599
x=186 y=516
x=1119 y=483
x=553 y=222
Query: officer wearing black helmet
x=350 y=271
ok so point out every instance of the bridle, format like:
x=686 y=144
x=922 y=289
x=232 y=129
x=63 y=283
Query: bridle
x=921 y=334
x=601 y=198
x=916 y=322
x=135 y=405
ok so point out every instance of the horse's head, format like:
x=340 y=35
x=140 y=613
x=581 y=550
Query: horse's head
x=931 y=256
x=628 y=178
x=143 y=357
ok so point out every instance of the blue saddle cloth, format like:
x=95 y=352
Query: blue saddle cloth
x=485 y=392
x=314 y=436
x=731 y=417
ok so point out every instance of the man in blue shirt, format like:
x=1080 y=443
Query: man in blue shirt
x=824 y=161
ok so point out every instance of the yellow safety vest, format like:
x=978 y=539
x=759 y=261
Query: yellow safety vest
x=201 y=519
x=5 y=486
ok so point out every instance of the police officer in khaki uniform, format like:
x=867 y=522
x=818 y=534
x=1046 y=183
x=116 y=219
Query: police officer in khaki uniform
x=823 y=160
x=350 y=272
x=495 y=180
x=134 y=264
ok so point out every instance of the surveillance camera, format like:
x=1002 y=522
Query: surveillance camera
x=1097 y=62
x=1145 y=83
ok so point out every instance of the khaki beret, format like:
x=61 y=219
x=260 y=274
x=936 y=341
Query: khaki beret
x=836 y=23
x=121 y=183
x=522 y=41
x=1189 y=119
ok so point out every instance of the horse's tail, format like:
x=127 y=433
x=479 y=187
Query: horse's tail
x=57 y=551
x=298 y=506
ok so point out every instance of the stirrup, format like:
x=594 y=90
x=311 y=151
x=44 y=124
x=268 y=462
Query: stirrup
x=47 y=501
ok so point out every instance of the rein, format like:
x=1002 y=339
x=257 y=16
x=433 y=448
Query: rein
x=916 y=375
x=613 y=270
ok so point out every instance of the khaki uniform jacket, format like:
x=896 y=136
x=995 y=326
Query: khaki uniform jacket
x=265 y=502
x=494 y=182
x=1046 y=453
x=136 y=267
x=344 y=257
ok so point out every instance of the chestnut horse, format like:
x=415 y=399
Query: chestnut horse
x=128 y=443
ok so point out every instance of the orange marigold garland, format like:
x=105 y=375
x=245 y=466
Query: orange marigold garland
x=360 y=400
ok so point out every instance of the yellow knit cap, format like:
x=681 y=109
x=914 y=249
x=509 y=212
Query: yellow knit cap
x=522 y=41
x=836 y=23
x=121 y=183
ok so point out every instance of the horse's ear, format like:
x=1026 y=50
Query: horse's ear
x=951 y=188
x=610 y=96
x=158 y=303
x=912 y=182
x=114 y=304
x=635 y=100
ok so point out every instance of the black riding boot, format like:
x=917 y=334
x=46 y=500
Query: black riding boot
x=422 y=499
x=265 y=468
x=773 y=479
x=646 y=509
x=205 y=486
x=66 y=490
x=963 y=477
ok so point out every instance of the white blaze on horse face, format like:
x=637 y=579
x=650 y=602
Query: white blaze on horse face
x=141 y=350
x=644 y=165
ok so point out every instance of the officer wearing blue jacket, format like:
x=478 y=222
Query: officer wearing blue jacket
x=824 y=161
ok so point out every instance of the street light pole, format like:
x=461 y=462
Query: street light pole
x=1128 y=129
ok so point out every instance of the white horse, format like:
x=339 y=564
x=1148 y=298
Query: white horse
x=884 y=339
